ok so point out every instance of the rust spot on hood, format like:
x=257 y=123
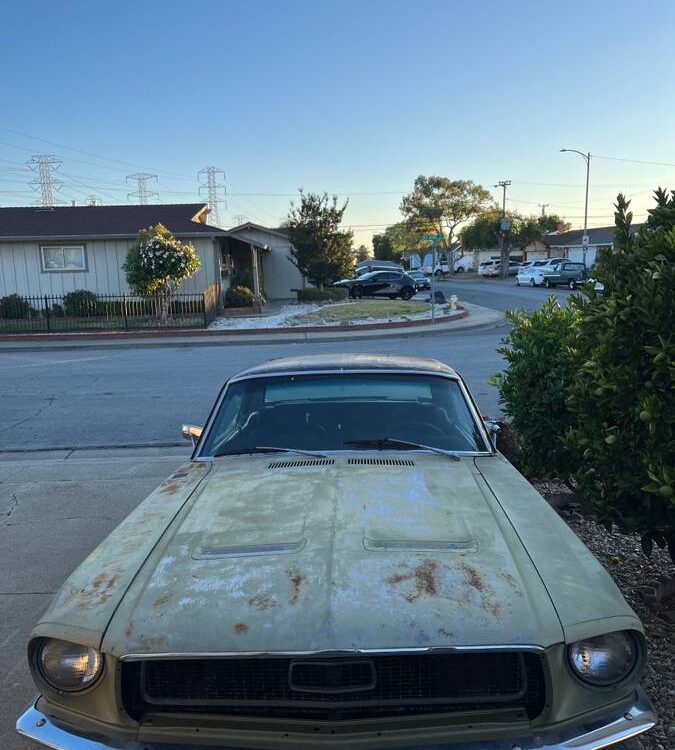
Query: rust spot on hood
x=473 y=577
x=296 y=578
x=424 y=576
x=161 y=601
x=240 y=628
x=170 y=487
x=98 y=592
x=487 y=594
x=261 y=602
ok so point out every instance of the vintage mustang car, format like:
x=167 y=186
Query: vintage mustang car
x=345 y=562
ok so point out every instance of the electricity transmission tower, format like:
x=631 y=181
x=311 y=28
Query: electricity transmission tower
x=213 y=196
x=543 y=207
x=93 y=200
x=142 y=192
x=44 y=165
x=239 y=219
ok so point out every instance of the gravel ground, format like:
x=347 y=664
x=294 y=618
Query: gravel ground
x=286 y=317
x=636 y=576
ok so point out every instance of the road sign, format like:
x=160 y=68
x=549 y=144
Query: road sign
x=432 y=237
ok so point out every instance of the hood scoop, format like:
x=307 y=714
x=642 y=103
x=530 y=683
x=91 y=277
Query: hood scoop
x=370 y=461
x=301 y=463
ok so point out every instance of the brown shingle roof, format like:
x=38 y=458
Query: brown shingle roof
x=102 y=221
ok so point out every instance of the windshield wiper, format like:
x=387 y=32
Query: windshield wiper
x=384 y=443
x=268 y=449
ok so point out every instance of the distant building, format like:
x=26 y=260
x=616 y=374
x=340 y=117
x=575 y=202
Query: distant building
x=569 y=244
x=56 y=250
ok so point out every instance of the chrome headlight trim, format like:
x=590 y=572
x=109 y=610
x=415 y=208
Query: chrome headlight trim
x=91 y=664
x=587 y=649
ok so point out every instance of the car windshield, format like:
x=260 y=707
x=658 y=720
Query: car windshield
x=331 y=411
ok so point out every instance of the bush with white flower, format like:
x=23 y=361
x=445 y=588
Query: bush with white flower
x=158 y=263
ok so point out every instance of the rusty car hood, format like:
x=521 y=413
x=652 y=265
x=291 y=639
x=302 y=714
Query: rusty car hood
x=300 y=555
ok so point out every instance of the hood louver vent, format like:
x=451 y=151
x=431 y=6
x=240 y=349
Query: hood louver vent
x=302 y=463
x=380 y=462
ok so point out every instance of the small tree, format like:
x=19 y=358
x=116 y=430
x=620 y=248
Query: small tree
x=320 y=250
x=361 y=253
x=623 y=393
x=158 y=263
x=484 y=232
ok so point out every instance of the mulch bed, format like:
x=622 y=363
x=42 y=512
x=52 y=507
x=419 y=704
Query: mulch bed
x=637 y=576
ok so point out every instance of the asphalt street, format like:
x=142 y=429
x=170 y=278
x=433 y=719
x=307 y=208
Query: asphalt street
x=56 y=506
x=142 y=395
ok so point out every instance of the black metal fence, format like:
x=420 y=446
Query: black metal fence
x=85 y=311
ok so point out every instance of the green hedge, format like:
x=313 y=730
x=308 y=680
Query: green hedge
x=590 y=387
x=239 y=296
x=533 y=387
x=333 y=294
x=13 y=307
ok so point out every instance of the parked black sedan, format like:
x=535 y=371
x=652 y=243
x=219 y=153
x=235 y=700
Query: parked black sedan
x=390 y=284
x=421 y=280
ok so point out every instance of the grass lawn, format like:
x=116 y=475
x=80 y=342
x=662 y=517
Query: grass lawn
x=365 y=308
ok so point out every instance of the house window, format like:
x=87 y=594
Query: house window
x=63 y=258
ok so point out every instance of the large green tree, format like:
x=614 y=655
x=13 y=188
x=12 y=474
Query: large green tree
x=320 y=249
x=484 y=232
x=552 y=223
x=439 y=205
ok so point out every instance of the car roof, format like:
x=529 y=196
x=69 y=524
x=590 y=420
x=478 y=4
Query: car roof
x=346 y=363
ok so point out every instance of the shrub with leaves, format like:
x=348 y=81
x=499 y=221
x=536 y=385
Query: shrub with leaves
x=80 y=303
x=623 y=393
x=13 y=307
x=158 y=263
x=532 y=389
x=239 y=296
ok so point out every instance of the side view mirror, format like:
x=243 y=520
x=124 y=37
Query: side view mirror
x=494 y=429
x=192 y=432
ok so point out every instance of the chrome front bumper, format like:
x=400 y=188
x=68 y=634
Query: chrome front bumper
x=640 y=717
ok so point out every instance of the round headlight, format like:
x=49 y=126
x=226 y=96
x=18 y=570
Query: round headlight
x=67 y=666
x=604 y=660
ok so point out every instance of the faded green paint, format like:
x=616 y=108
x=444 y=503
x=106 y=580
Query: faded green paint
x=586 y=598
x=83 y=606
x=361 y=557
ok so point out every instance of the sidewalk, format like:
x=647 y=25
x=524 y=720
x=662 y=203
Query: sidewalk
x=473 y=316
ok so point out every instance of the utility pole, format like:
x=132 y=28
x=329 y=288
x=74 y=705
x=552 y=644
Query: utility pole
x=212 y=187
x=503 y=229
x=543 y=207
x=43 y=165
x=142 y=192
x=587 y=158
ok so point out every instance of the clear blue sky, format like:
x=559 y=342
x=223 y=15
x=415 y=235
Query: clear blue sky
x=351 y=97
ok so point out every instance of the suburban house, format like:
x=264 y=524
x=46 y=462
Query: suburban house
x=570 y=244
x=55 y=250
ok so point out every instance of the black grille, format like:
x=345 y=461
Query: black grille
x=337 y=688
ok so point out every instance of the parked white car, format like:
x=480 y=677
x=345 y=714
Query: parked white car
x=489 y=268
x=532 y=273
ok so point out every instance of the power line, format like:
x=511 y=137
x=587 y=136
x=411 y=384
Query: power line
x=43 y=165
x=142 y=192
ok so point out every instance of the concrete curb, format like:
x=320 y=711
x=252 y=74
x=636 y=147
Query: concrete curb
x=481 y=317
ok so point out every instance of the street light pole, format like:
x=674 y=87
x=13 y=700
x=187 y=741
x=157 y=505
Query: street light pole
x=587 y=159
x=503 y=228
